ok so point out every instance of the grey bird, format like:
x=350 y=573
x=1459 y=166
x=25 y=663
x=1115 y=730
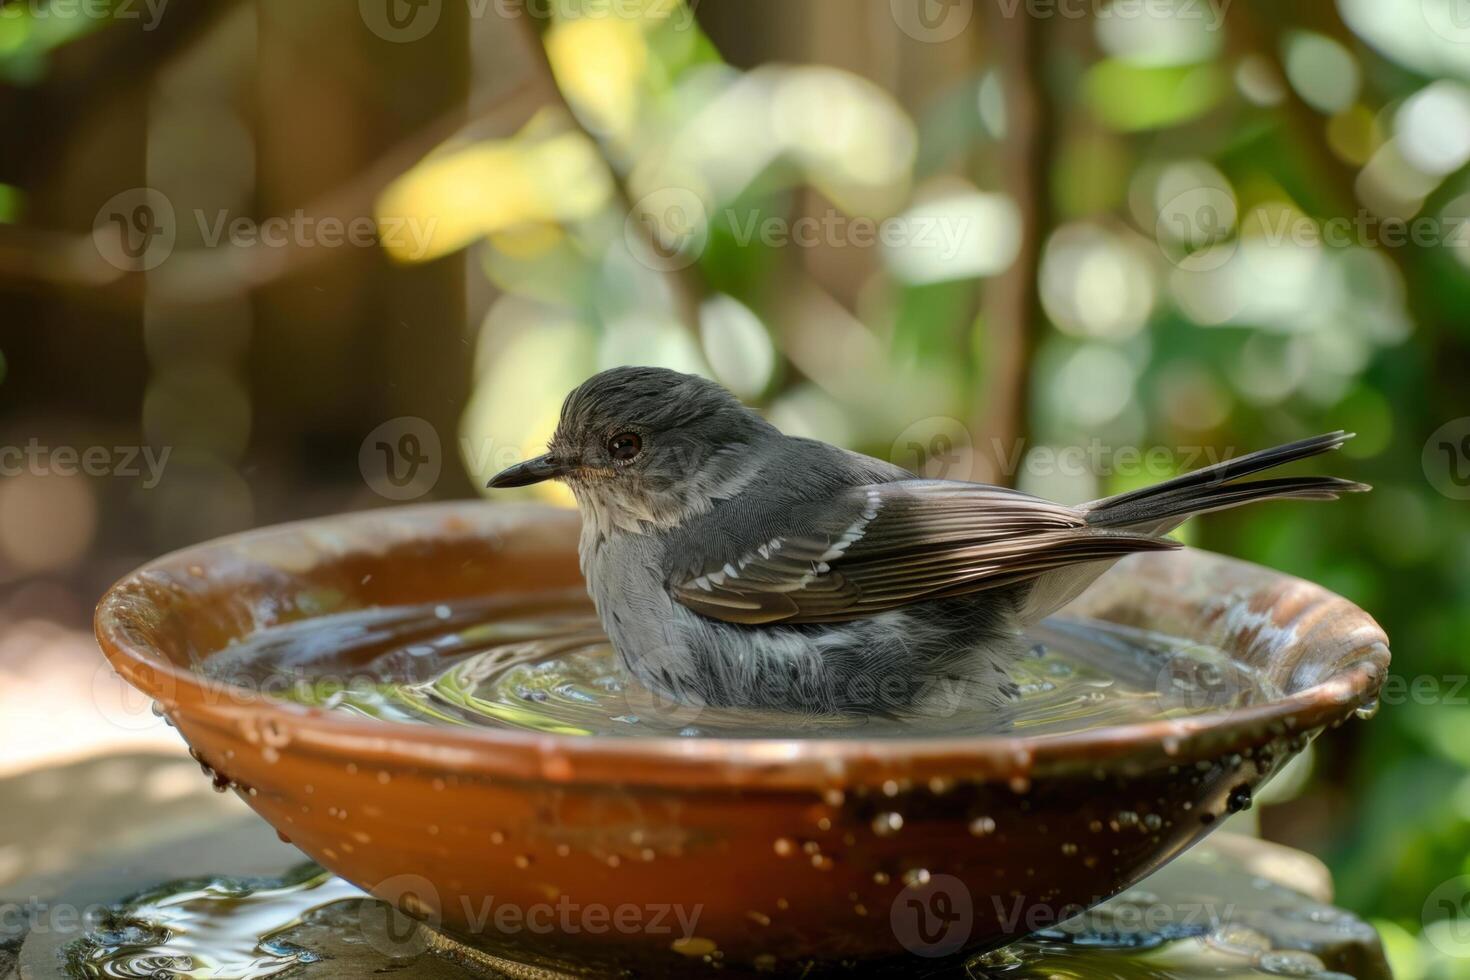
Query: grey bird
x=732 y=565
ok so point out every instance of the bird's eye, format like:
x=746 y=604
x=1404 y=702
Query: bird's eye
x=624 y=446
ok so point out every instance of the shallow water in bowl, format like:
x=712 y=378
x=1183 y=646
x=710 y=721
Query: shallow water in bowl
x=544 y=665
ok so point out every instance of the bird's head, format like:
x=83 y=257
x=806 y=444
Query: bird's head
x=645 y=446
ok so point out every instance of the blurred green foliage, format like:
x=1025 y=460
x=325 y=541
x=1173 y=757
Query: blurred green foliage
x=1192 y=295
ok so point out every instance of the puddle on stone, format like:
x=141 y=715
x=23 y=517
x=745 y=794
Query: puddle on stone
x=546 y=666
x=1182 y=959
x=1206 y=915
x=250 y=929
x=222 y=929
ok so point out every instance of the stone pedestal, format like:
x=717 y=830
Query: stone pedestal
x=1233 y=906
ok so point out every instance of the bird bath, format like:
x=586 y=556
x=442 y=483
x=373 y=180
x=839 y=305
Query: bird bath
x=657 y=854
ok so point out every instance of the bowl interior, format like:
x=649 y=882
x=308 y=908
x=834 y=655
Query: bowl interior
x=159 y=624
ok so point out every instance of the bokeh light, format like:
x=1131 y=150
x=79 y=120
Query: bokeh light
x=47 y=521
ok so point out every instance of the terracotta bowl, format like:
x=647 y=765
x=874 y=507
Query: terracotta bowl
x=660 y=856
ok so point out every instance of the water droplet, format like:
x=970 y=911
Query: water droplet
x=694 y=946
x=887 y=824
x=916 y=877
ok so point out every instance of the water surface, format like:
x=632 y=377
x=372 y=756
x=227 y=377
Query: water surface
x=546 y=666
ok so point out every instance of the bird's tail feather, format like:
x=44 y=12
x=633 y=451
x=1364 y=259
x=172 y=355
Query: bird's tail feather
x=1209 y=489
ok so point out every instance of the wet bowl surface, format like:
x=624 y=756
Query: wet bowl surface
x=661 y=856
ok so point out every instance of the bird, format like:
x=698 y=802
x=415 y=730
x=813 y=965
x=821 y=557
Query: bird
x=734 y=566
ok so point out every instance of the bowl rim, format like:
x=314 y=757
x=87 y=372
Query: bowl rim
x=566 y=757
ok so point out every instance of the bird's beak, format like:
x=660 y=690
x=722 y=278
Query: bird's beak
x=547 y=467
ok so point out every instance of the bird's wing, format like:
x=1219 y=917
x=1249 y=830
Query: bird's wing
x=873 y=548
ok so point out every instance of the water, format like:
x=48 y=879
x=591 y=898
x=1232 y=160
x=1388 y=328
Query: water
x=545 y=665
x=220 y=929
x=306 y=923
